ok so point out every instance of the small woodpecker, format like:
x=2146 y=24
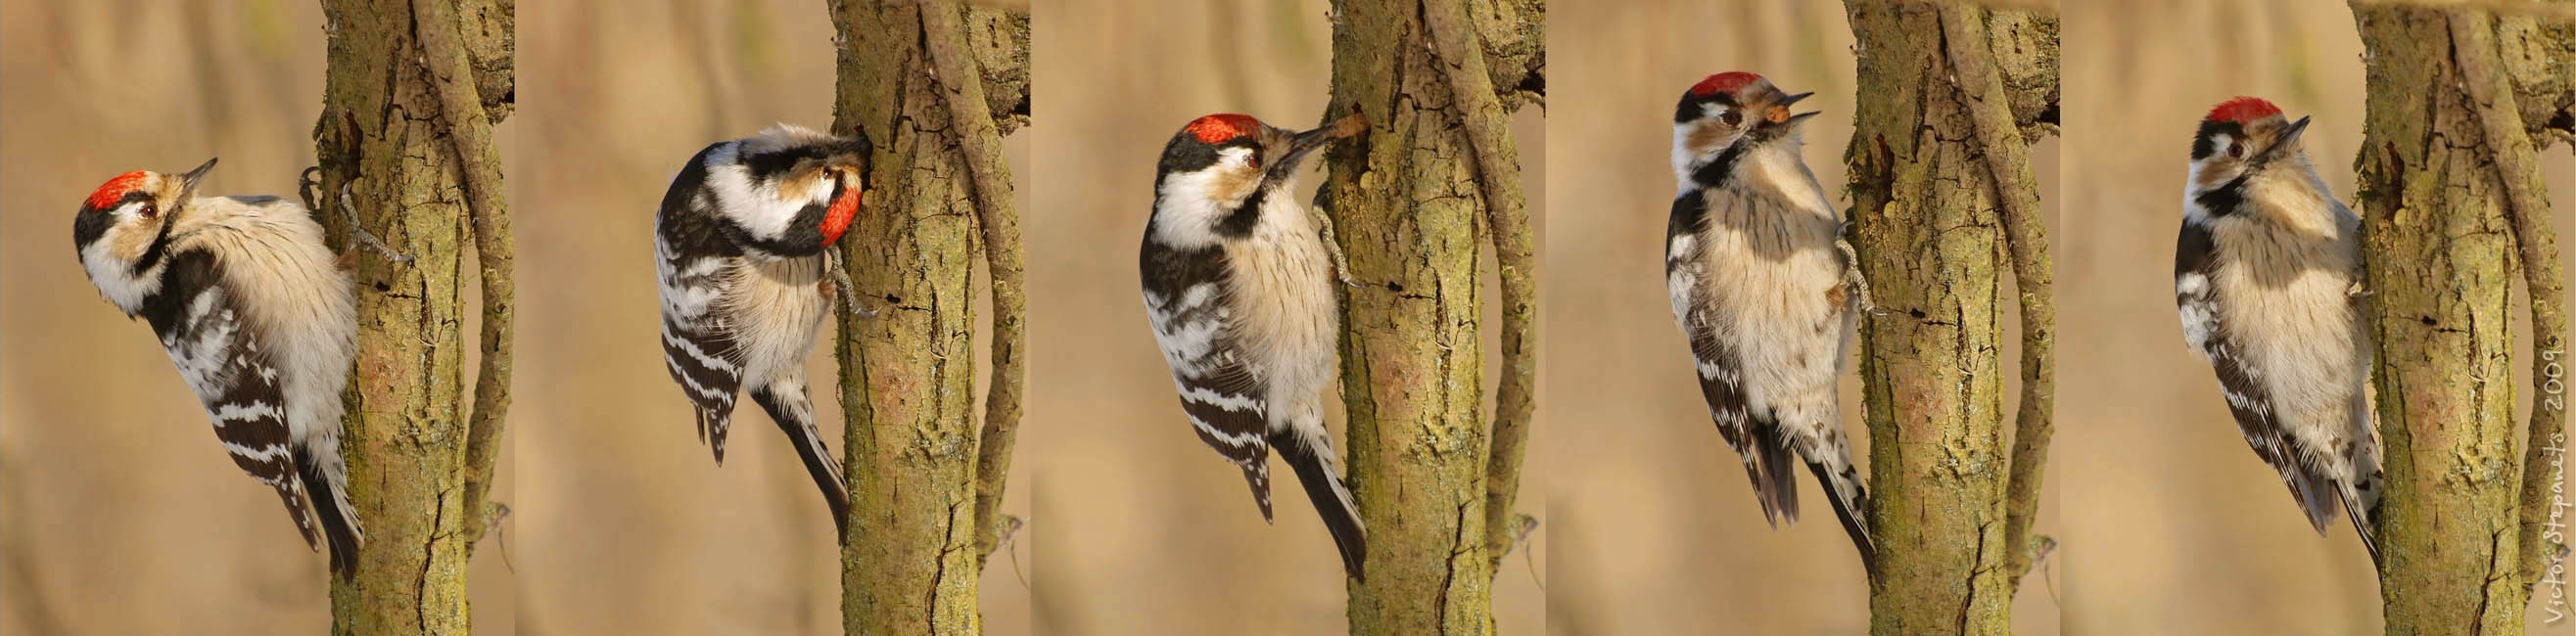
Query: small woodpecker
x=246 y=299
x=1238 y=282
x=2267 y=280
x=1767 y=293
x=739 y=245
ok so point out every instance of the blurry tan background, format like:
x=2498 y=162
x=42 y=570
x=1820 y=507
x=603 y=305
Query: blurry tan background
x=2174 y=526
x=119 y=513
x=1656 y=529
x=1140 y=529
x=625 y=525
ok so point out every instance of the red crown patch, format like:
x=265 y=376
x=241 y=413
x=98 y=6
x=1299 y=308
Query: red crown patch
x=2243 y=110
x=114 y=190
x=1221 y=128
x=1727 y=82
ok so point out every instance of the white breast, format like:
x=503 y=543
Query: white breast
x=1284 y=305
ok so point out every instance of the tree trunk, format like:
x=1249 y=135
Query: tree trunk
x=1940 y=185
x=1414 y=200
x=393 y=138
x=935 y=85
x=2449 y=188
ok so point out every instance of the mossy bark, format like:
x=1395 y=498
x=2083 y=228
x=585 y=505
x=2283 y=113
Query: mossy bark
x=382 y=135
x=912 y=559
x=1933 y=195
x=2447 y=180
x=1411 y=206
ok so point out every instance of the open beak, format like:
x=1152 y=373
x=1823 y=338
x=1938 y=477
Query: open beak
x=188 y=180
x=1779 y=112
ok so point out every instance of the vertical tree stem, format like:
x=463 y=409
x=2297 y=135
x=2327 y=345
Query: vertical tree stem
x=469 y=127
x=2435 y=214
x=912 y=559
x=1487 y=126
x=2517 y=159
x=408 y=176
x=980 y=141
x=2007 y=159
x=1939 y=180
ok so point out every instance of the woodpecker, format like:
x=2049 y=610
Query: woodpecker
x=245 y=297
x=1766 y=291
x=2267 y=278
x=1238 y=282
x=739 y=244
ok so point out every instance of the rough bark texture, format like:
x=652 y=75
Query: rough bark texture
x=1411 y=202
x=2448 y=184
x=917 y=533
x=1940 y=184
x=382 y=135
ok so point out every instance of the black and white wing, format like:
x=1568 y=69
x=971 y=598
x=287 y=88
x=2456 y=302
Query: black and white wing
x=222 y=358
x=696 y=264
x=1185 y=294
x=2204 y=326
x=1767 y=462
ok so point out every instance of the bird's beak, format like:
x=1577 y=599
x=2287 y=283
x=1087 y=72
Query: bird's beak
x=1779 y=114
x=1299 y=144
x=188 y=180
x=2287 y=142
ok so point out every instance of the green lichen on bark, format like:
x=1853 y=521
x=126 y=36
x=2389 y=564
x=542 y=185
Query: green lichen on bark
x=1930 y=218
x=1411 y=208
x=911 y=562
x=382 y=136
x=2446 y=170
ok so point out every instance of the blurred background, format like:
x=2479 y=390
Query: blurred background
x=119 y=512
x=1140 y=528
x=2174 y=526
x=1656 y=528
x=625 y=524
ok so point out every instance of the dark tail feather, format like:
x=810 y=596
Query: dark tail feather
x=2317 y=497
x=1328 y=493
x=795 y=416
x=1774 y=481
x=1851 y=505
x=339 y=525
x=2361 y=526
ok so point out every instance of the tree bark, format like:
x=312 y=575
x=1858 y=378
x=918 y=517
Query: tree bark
x=2449 y=188
x=1941 y=188
x=935 y=85
x=405 y=129
x=1415 y=200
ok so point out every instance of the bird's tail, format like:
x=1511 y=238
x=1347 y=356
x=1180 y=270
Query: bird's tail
x=1312 y=457
x=2361 y=503
x=1851 y=506
x=785 y=401
x=1775 y=484
x=326 y=481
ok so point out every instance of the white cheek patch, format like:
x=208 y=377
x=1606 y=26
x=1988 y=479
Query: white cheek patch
x=757 y=207
x=115 y=277
x=1191 y=204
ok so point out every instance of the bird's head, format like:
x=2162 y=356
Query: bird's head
x=1728 y=116
x=791 y=171
x=1218 y=164
x=2243 y=137
x=124 y=228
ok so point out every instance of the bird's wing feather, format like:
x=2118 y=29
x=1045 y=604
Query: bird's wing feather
x=230 y=366
x=1185 y=293
x=2204 y=324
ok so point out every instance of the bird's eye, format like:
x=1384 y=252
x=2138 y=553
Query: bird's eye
x=1253 y=160
x=150 y=210
x=1731 y=118
x=2235 y=150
